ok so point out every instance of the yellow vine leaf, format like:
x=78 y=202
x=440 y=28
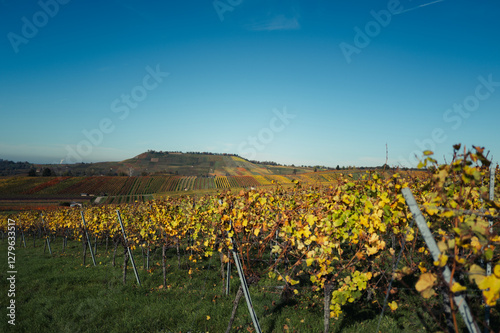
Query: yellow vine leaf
x=457 y=287
x=495 y=238
x=393 y=305
x=443 y=259
x=373 y=238
x=276 y=249
x=291 y=281
x=428 y=293
x=370 y=250
x=425 y=283
x=431 y=210
x=474 y=242
x=443 y=246
x=461 y=261
x=476 y=274
x=496 y=271
x=406 y=270
x=311 y=219
x=451 y=243
x=491 y=289
x=448 y=213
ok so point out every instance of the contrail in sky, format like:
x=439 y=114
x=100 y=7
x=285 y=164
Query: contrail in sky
x=425 y=4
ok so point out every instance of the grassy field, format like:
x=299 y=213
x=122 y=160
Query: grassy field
x=57 y=293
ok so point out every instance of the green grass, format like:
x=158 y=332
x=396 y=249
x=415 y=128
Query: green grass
x=57 y=293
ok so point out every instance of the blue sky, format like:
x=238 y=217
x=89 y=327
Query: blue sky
x=302 y=82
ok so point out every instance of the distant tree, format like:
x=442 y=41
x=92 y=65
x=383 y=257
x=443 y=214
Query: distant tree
x=47 y=172
x=294 y=171
x=315 y=169
x=338 y=167
x=32 y=172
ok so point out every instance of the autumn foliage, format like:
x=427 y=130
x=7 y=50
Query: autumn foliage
x=346 y=237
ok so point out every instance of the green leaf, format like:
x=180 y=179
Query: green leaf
x=338 y=223
x=488 y=254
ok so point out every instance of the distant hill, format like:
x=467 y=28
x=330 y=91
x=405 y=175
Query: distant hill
x=202 y=164
x=9 y=168
x=148 y=175
x=174 y=163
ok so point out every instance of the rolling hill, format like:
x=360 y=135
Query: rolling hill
x=173 y=163
x=141 y=177
x=148 y=175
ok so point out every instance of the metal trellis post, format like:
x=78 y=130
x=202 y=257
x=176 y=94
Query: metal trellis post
x=244 y=285
x=128 y=249
x=88 y=239
x=460 y=301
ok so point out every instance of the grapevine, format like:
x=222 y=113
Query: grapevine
x=339 y=240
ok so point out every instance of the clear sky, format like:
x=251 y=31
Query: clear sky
x=304 y=82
